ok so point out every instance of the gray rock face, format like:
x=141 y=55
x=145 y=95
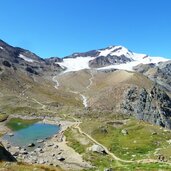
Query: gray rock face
x=92 y=53
x=161 y=74
x=52 y=60
x=103 y=61
x=153 y=106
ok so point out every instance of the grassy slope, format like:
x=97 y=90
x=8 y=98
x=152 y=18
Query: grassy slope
x=18 y=94
x=13 y=123
x=138 y=144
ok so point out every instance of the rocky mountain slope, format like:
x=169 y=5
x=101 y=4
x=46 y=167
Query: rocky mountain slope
x=26 y=82
x=92 y=80
x=160 y=74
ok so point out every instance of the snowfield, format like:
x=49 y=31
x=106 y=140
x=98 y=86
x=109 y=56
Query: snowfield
x=25 y=58
x=79 y=63
x=75 y=64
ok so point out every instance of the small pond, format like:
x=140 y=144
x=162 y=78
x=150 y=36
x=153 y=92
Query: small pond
x=26 y=132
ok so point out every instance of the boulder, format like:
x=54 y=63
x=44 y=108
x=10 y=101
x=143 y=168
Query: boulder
x=61 y=158
x=11 y=134
x=31 y=145
x=124 y=132
x=40 y=141
x=108 y=169
x=98 y=149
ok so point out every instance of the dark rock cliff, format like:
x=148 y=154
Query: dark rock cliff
x=153 y=106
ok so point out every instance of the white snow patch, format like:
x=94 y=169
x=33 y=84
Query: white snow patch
x=25 y=58
x=1 y=47
x=119 y=51
x=79 y=63
x=75 y=64
x=129 y=66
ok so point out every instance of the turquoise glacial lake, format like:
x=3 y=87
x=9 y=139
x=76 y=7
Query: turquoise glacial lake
x=32 y=133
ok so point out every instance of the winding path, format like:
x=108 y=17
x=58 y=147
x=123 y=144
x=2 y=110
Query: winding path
x=90 y=79
x=43 y=106
x=77 y=126
x=105 y=148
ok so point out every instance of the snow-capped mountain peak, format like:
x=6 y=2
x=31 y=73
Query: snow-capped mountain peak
x=117 y=57
x=120 y=51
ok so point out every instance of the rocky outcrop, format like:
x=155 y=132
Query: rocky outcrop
x=103 y=61
x=52 y=60
x=24 y=60
x=153 y=106
x=92 y=53
x=5 y=155
x=161 y=74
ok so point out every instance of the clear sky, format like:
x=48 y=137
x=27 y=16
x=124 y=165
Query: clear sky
x=61 y=27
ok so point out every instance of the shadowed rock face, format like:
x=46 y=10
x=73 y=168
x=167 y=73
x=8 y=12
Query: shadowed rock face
x=103 y=61
x=92 y=53
x=5 y=155
x=153 y=106
x=20 y=59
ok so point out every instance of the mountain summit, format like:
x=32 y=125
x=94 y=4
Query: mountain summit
x=117 y=57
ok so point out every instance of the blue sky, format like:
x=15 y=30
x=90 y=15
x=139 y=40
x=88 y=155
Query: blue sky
x=61 y=27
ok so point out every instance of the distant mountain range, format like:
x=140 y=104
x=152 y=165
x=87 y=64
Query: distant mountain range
x=117 y=57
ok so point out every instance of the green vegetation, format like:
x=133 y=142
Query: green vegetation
x=3 y=117
x=141 y=141
x=26 y=167
x=145 y=133
x=74 y=141
x=16 y=124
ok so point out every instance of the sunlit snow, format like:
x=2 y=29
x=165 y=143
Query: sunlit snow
x=79 y=63
x=25 y=58
x=75 y=64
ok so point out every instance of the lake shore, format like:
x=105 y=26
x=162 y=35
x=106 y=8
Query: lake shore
x=52 y=151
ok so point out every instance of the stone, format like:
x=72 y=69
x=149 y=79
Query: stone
x=169 y=141
x=40 y=141
x=50 y=144
x=11 y=134
x=108 y=169
x=23 y=151
x=161 y=158
x=154 y=133
x=41 y=161
x=61 y=158
x=19 y=148
x=124 y=132
x=56 y=146
x=31 y=145
x=98 y=149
